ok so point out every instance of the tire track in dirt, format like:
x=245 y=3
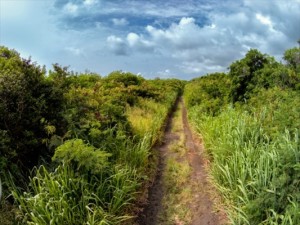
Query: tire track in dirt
x=156 y=192
x=201 y=204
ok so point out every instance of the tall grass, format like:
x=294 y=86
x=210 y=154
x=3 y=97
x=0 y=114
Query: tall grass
x=64 y=197
x=257 y=177
x=147 y=119
x=76 y=194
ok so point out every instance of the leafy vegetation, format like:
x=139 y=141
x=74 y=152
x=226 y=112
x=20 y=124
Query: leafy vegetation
x=252 y=136
x=76 y=148
x=79 y=139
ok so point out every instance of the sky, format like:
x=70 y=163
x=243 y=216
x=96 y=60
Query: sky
x=155 y=38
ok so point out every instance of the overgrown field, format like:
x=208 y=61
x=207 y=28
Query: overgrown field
x=249 y=120
x=75 y=148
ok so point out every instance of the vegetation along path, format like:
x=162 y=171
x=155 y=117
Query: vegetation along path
x=181 y=193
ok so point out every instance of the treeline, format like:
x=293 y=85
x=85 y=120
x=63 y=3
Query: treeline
x=249 y=119
x=75 y=148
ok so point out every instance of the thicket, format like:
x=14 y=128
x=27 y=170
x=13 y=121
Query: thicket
x=249 y=119
x=73 y=150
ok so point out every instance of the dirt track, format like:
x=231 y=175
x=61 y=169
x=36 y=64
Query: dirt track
x=200 y=204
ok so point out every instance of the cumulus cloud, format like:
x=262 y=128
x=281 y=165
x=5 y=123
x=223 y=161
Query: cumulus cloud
x=120 y=22
x=117 y=45
x=90 y=2
x=191 y=37
x=139 y=43
x=264 y=19
x=202 y=47
x=228 y=36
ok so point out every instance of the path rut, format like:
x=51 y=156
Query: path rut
x=201 y=204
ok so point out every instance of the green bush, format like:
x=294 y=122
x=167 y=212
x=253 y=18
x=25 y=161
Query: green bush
x=209 y=93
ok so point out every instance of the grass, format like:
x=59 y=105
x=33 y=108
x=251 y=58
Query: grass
x=147 y=117
x=63 y=195
x=177 y=193
x=253 y=173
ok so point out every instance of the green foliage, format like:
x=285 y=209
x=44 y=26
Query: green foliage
x=257 y=71
x=242 y=73
x=92 y=113
x=124 y=78
x=81 y=156
x=274 y=75
x=292 y=57
x=209 y=93
x=278 y=108
x=28 y=103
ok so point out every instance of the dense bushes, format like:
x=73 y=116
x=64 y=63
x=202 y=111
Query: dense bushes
x=29 y=107
x=253 y=140
x=90 y=127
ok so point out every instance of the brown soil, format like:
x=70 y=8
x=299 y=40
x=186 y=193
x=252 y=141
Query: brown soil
x=202 y=207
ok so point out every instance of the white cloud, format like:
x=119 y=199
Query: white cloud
x=120 y=22
x=117 y=45
x=207 y=38
x=114 y=40
x=264 y=19
x=186 y=20
x=188 y=41
x=71 y=8
x=133 y=39
x=194 y=67
x=211 y=47
x=184 y=35
x=213 y=26
x=90 y=2
x=139 y=43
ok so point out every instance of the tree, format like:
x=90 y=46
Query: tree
x=292 y=57
x=242 y=73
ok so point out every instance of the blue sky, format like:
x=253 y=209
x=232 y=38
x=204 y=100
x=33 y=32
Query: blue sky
x=155 y=38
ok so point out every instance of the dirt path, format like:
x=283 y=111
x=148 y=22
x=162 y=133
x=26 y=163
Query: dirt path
x=180 y=194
